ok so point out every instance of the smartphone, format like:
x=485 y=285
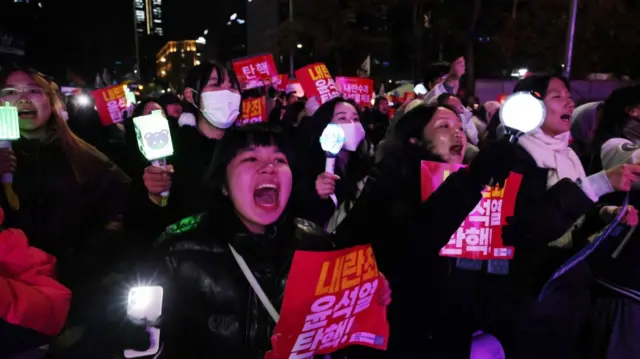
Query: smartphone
x=145 y=303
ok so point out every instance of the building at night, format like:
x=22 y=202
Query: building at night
x=150 y=33
x=18 y=19
x=175 y=59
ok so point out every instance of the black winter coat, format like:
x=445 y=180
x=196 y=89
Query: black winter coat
x=210 y=309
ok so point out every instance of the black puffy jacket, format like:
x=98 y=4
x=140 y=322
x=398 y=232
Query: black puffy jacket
x=210 y=309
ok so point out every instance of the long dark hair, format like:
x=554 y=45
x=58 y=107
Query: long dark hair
x=399 y=151
x=57 y=128
x=360 y=163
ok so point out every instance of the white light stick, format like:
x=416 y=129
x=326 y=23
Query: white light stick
x=521 y=113
x=154 y=139
x=145 y=304
x=9 y=131
x=331 y=141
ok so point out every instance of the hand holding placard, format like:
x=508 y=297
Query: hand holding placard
x=154 y=139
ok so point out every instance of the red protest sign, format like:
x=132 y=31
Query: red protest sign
x=255 y=71
x=316 y=80
x=283 y=81
x=111 y=102
x=480 y=235
x=329 y=304
x=357 y=89
x=254 y=110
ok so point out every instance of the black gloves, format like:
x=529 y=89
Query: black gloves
x=494 y=162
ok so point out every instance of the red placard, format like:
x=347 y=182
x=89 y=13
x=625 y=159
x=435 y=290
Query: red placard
x=480 y=235
x=283 y=81
x=111 y=102
x=255 y=71
x=357 y=89
x=254 y=110
x=330 y=303
x=316 y=80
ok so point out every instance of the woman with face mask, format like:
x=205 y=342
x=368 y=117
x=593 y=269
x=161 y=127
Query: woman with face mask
x=210 y=310
x=352 y=163
x=614 y=320
x=554 y=195
x=212 y=104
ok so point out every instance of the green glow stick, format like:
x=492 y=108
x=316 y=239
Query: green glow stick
x=9 y=131
x=9 y=123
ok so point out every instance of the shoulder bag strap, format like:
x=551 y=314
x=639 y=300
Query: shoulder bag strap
x=255 y=285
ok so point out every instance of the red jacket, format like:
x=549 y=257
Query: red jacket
x=29 y=295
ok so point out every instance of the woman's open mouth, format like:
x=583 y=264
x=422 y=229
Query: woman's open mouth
x=456 y=149
x=266 y=196
x=29 y=114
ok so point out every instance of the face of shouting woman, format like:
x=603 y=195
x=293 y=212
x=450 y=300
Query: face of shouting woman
x=34 y=106
x=559 y=107
x=259 y=182
x=445 y=137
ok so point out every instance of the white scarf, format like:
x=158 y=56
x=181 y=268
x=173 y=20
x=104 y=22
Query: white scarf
x=554 y=154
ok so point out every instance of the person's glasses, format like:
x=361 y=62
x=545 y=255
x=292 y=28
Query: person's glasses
x=14 y=94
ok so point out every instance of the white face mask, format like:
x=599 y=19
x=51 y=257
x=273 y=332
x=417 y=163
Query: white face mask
x=353 y=135
x=221 y=108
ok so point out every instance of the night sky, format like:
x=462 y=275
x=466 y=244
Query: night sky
x=87 y=35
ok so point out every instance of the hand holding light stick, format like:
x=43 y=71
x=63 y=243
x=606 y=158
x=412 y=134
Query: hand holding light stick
x=154 y=140
x=9 y=131
x=145 y=304
x=522 y=112
x=331 y=141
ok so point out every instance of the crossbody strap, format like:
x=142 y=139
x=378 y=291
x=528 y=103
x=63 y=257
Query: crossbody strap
x=255 y=285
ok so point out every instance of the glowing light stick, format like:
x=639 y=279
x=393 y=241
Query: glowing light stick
x=522 y=112
x=331 y=141
x=145 y=304
x=154 y=139
x=9 y=131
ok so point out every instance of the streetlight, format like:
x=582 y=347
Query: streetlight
x=299 y=46
x=571 y=29
x=291 y=73
x=233 y=16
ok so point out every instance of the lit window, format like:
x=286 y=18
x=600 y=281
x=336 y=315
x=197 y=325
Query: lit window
x=157 y=2
x=159 y=31
x=140 y=4
x=157 y=12
x=139 y=15
x=157 y=21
